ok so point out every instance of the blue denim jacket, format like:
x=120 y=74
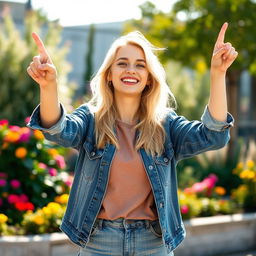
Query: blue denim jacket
x=184 y=139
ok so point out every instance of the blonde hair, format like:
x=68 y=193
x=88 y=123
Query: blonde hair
x=153 y=105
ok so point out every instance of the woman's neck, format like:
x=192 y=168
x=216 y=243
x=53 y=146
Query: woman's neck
x=127 y=108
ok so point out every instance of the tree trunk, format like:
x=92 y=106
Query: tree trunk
x=232 y=97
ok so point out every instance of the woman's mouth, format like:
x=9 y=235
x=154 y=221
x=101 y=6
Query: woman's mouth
x=129 y=80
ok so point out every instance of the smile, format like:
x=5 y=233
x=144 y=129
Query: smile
x=129 y=80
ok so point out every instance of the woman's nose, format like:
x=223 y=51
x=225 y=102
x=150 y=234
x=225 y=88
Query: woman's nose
x=130 y=70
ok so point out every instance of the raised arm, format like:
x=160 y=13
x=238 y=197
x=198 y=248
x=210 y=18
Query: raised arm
x=223 y=56
x=42 y=70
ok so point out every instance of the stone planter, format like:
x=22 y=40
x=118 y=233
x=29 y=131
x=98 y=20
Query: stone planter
x=55 y=244
x=209 y=236
x=219 y=235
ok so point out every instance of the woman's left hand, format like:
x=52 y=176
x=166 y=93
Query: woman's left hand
x=224 y=54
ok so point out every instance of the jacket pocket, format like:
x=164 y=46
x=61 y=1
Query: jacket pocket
x=163 y=164
x=91 y=161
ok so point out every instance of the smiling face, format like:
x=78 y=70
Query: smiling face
x=128 y=72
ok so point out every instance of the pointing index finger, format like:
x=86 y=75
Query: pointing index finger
x=221 y=36
x=40 y=45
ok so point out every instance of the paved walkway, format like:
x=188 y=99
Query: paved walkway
x=251 y=253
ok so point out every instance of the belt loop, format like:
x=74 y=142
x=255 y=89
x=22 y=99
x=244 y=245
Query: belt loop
x=124 y=222
x=100 y=223
x=147 y=223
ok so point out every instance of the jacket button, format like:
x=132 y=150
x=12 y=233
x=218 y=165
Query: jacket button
x=165 y=159
x=93 y=154
x=150 y=167
x=161 y=205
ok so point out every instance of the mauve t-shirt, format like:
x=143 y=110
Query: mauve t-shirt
x=129 y=194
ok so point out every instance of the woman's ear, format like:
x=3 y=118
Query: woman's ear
x=150 y=80
x=109 y=76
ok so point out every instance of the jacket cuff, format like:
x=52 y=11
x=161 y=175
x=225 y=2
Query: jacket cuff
x=35 y=122
x=215 y=125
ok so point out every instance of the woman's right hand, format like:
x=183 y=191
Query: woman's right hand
x=41 y=69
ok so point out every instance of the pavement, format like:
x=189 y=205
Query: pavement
x=248 y=253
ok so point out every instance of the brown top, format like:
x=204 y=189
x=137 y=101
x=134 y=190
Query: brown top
x=129 y=194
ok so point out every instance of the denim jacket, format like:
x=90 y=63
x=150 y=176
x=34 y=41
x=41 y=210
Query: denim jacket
x=183 y=139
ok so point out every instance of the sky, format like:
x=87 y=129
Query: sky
x=81 y=12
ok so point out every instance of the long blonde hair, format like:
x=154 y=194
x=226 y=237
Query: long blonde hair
x=153 y=105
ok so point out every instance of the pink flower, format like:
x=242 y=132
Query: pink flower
x=52 y=171
x=14 y=128
x=25 y=135
x=4 y=122
x=13 y=199
x=42 y=165
x=184 y=209
x=60 y=161
x=2 y=182
x=15 y=183
x=198 y=187
x=23 y=198
x=69 y=181
x=210 y=181
x=27 y=119
x=3 y=175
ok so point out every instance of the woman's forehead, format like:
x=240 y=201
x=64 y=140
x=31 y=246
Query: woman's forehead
x=130 y=51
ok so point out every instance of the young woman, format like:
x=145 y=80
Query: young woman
x=123 y=199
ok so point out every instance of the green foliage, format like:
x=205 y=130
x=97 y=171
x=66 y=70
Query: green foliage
x=216 y=162
x=19 y=93
x=191 y=89
x=190 y=29
x=89 y=55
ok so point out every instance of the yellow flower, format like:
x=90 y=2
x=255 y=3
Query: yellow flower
x=250 y=175
x=240 y=165
x=247 y=174
x=46 y=210
x=3 y=218
x=38 y=134
x=250 y=164
x=20 y=152
x=63 y=199
x=220 y=190
x=53 y=152
x=54 y=207
x=39 y=220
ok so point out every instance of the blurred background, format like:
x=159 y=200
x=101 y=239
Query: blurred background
x=77 y=35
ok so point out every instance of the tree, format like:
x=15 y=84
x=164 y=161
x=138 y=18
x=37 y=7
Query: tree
x=189 y=31
x=89 y=55
x=19 y=93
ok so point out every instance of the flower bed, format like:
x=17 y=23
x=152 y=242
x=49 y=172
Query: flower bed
x=34 y=182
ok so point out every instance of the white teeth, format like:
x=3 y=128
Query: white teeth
x=130 y=80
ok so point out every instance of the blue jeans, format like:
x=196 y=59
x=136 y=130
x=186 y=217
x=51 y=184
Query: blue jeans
x=122 y=237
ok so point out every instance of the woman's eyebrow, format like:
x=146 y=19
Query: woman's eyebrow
x=124 y=58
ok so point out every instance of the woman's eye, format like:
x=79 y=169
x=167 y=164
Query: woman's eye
x=121 y=64
x=140 y=65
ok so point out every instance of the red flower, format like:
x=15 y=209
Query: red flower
x=24 y=206
x=3 y=122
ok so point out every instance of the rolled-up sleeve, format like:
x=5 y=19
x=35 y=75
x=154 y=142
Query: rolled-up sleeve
x=215 y=125
x=35 y=122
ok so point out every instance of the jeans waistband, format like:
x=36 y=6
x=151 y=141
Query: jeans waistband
x=123 y=223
